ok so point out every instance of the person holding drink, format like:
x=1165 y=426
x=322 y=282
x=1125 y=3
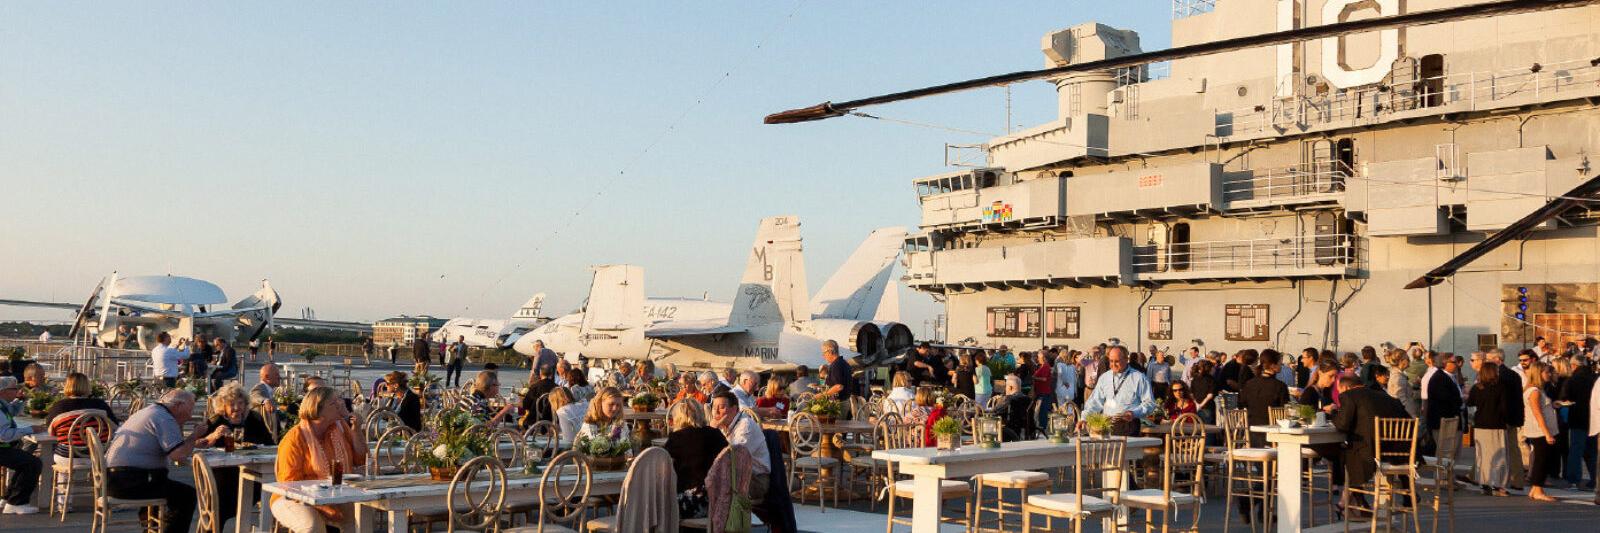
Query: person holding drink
x=325 y=442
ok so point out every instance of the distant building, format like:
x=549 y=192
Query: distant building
x=404 y=329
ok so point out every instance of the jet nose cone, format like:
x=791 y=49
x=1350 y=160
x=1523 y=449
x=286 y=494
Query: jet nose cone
x=524 y=344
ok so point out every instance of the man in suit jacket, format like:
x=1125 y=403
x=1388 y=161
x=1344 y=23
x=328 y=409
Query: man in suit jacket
x=1511 y=383
x=1358 y=408
x=1444 y=399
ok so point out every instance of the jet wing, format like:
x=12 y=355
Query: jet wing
x=683 y=328
x=324 y=324
x=47 y=305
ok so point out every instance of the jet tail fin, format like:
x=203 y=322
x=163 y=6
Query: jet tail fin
x=532 y=308
x=773 y=288
x=616 y=299
x=861 y=285
x=256 y=323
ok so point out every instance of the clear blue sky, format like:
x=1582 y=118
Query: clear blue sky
x=379 y=158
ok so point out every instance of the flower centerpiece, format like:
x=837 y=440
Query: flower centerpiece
x=644 y=402
x=1306 y=412
x=826 y=408
x=39 y=401
x=947 y=431
x=605 y=453
x=197 y=386
x=1099 y=425
x=451 y=442
x=288 y=406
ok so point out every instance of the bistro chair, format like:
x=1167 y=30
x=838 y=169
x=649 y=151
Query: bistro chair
x=541 y=441
x=1189 y=425
x=995 y=401
x=1021 y=481
x=474 y=510
x=125 y=401
x=1438 y=477
x=389 y=452
x=649 y=500
x=153 y=511
x=1393 y=487
x=205 y=491
x=269 y=415
x=563 y=493
x=1247 y=471
x=70 y=437
x=1182 y=484
x=1096 y=463
x=805 y=441
x=380 y=420
x=889 y=433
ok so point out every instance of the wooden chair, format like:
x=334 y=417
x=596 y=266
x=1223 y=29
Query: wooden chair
x=1393 y=488
x=995 y=401
x=205 y=491
x=1437 y=478
x=1248 y=472
x=805 y=439
x=645 y=479
x=1097 y=463
x=270 y=417
x=65 y=470
x=1182 y=484
x=153 y=509
x=389 y=452
x=541 y=441
x=1189 y=425
x=563 y=496
x=379 y=421
x=474 y=510
x=865 y=471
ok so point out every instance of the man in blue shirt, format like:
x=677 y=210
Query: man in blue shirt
x=1123 y=394
x=839 y=382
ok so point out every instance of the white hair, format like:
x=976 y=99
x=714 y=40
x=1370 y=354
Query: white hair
x=174 y=398
x=1013 y=383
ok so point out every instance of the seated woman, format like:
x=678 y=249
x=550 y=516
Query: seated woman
x=407 y=405
x=232 y=407
x=77 y=390
x=773 y=403
x=486 y=387
x=578 y=385
x=604 y=417
x=568 y=413
x=935 y=412
x=921 y=405
x=691 y=389
x=1179 y=402
x=899 y=396
x=693 y=447
x=322 y=441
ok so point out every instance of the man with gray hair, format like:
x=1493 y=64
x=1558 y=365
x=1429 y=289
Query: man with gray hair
x=143 y=447
x=23 y=465
x=745 y=389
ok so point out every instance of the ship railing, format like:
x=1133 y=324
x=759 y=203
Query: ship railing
x=1300 y=180
x=103 y=365
x=1477 y=90
x=1252 y=256
x=1189 y=8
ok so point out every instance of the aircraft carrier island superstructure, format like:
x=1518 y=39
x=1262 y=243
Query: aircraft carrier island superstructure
x=1285 y=195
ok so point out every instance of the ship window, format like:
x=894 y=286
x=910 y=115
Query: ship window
x=923 y=190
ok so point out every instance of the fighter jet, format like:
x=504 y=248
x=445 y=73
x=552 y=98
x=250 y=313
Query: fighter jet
x=493 y=332
x=773 y=323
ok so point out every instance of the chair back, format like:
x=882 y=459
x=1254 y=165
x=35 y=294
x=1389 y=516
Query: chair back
x=389 y=451
x=1396 y=441
x=477 y=508
x=649 y=494
x=541 y=442
x=564 y=491
x=995 y=401
x=70 y=429
x=1236 y=428
x=1095 y=460
x=205 y=492
x=506 y=446
x=859 y=408
x=730 y=475
x=380 y=420
x=124 y=401
x=1274 y=414
x=1188 y=425
x=752 y=414
x=1183 y=463
x=958 y=402
x=97 y=466
x=805 y=435
x=1449 y=443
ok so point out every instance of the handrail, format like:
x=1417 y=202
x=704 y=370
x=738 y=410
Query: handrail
x=1302 y=179
x=1258 y=254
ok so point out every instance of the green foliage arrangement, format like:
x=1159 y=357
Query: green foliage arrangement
x=645 y=400
x=39 y=401
x=453 y=440
x=1098 y=423
x=824 y=405
x=311 y=354
x=601 y=446
x=947 y=426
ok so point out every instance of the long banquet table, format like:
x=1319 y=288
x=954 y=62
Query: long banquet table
x=928 y=466
x=396 y=495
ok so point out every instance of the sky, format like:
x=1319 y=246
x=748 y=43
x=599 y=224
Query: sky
x=372 y=159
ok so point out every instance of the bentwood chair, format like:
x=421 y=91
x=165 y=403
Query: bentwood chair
x=389 y=451
x=1438 y=477
x=152 y=511
x=1099 y=470
x=66 y=470
x=563 y=496
x=207 y=519
x=1393 y=488
x=805 y=440
x=380 y=420
x=872 y=474
x=477 y=508
x=541 y=441
x=1182 y=484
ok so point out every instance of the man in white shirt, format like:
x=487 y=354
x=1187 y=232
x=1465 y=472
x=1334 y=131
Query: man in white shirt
x=1160 y=373
x=746 y=433
x=1066 y=379
x=166 y=360
x=44 y=337
x=1185 y=362
x=745 y=389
